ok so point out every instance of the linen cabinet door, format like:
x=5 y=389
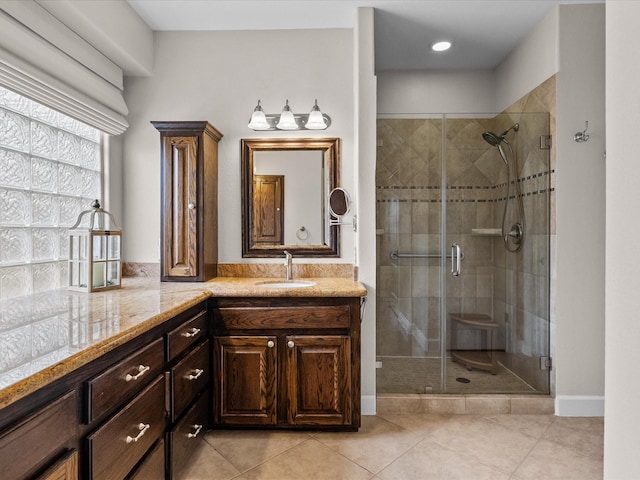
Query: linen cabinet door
x=180 y=201
x=246 y=375
x=319 y=379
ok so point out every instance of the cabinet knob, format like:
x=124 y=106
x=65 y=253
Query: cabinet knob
x=290 y=344
x=191 y=206
x=271 y=344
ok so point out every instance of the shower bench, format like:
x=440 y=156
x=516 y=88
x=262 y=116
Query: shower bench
x=483 y=359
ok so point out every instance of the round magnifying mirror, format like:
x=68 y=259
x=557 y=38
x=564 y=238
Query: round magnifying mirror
x=339 y=202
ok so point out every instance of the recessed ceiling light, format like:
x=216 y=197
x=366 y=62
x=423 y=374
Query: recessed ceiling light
x=441 y=46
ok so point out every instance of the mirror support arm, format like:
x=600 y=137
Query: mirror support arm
x=334 y=222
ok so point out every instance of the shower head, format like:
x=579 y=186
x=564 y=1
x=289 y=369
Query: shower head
x=495 y=140
x=492 y=139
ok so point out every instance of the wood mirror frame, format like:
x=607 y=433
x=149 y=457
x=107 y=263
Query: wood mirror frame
x=330 y=149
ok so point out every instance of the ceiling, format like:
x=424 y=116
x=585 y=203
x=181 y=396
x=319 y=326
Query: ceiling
x=483 y=32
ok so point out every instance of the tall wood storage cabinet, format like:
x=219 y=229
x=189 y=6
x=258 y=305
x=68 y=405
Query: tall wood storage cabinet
x=189 y=201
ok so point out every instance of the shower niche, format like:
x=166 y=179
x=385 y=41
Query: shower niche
x=463 y=228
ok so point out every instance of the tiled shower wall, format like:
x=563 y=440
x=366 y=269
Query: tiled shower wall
x=512 y=288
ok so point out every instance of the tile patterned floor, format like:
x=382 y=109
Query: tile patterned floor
x=411 y=446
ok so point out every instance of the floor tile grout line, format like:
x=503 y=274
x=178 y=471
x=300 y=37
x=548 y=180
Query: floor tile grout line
x=261 y=463
x=422 y=436
x=419 y=440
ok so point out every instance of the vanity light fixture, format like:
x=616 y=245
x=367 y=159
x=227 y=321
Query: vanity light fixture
x=287 y=120
x=315 y=120
x=258 y=119
x=441 y=46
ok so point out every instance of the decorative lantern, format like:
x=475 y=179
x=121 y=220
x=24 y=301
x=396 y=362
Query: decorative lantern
x=94 y=251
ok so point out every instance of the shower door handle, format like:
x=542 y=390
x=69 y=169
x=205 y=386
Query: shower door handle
x=456 y=259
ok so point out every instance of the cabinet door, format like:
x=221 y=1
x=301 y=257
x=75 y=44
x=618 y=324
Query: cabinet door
x=246 y=380
x=319 y=379
x=268 y=209
x=180 y=204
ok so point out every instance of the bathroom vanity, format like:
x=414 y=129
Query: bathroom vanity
x=144 y=372
x=287 y=362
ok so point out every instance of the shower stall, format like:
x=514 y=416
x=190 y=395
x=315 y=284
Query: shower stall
x=463 y=230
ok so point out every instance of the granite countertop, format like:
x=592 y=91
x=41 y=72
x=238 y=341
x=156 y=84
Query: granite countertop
x=47 y=335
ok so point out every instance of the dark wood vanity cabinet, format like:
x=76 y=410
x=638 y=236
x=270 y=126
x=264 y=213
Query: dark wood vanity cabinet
x=135 y=412
x=287 y=362
x=148 y=395
x=189 y=361
x=43 y=443
x=189 y=200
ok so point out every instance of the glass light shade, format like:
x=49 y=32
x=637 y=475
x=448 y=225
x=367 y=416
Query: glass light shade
x=258 y=119
x=316 y=120
x=287 y=120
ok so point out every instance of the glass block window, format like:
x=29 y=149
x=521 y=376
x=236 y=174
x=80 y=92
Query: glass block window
x=50 y=171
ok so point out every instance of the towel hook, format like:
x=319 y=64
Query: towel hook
x=582 y=136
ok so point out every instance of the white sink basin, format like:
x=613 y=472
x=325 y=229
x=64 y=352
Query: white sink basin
x=286 y=284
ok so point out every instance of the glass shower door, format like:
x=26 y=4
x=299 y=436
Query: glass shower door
x=457 y=311
x=495 y=317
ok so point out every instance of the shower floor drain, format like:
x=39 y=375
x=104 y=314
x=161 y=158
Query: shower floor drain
x=463 y=380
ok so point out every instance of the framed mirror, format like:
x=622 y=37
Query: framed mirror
x=285 y=187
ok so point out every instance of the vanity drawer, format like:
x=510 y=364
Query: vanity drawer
x=152 y=467
x=187 y=334
x=259 y=318
x=39 y=439
x=188 y=378
x=113 y=386
x=118 y=445
x=187 y=435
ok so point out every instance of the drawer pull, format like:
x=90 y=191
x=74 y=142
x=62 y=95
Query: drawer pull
x=195 y=434
x=290 y=344
x=196 y=374
x=143 y=427
x=271 y=344
x=141 y=371
x=191 y=333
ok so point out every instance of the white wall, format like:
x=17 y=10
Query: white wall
x=622 y=417
x=219 y=76
x=533 y=61
x=420 y=92
x=580 y=212
x=365 y=119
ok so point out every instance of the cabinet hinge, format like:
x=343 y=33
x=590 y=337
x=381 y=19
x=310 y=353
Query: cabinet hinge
x=545 y=363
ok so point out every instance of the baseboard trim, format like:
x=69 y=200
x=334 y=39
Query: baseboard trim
x=368 y=404
x=579 y=405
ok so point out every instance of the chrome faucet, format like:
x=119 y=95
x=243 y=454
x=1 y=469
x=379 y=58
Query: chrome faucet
x=288 y=265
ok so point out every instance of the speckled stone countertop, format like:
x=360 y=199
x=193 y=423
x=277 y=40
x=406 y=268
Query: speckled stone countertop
x=47 y=335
